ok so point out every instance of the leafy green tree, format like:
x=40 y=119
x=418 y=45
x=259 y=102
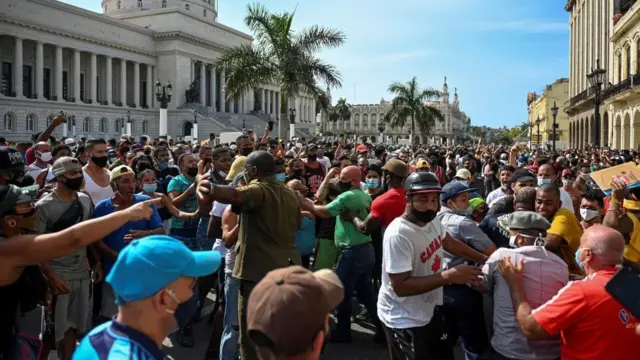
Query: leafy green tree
x=343 y=109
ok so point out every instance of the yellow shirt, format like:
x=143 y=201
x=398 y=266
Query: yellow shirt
x=632 y=250
x=566 y=225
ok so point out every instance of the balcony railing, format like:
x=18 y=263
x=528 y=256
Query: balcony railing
x=616 y=89
x=578 y=98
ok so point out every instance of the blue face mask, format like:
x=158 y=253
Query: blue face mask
x=281 y=177
x=543 y=181
x=163 y=165
x=149 y=188
x=580 y=264
x=373 y=183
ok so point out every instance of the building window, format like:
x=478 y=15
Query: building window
x=9 y=121
x=31 y=122
x=365 y=121
x=7 y=78
x=46 y=86
x=164 y=3
x=82 y=97
x=27 y=90
x=86 y=125
x=103 y=125
x=628 y=62
x=186 y=7
x=619 y=68
x=118 y=127
x=118 y=5
x=145 y=127
x=140 y=4
x=204 y=12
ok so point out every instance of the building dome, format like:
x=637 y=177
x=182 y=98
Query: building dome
x=206 y=8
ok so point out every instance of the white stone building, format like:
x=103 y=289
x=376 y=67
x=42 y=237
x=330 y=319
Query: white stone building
x=365 y=119
x=101 y=69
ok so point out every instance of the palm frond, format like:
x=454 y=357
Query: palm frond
x=316 y=38
x=247 y=68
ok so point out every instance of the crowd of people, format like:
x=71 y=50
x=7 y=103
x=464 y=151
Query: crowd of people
x=504 y=251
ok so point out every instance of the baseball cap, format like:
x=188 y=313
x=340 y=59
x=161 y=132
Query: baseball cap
x=397 y=167
x=463 y=174
x=119 y=171
x=288 y=307
x=64 y=165
x=237 y=166
x=567 y=173
x=70 y=142
x=528 y=220
x=422 y=164
x=453 y=189
x=521 y=175
x=147 y=265
x=362 y=148
x=476 y=203
x=11 y=160
x=16 y=195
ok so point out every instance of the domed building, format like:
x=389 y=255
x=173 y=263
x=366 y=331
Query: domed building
x=102 y=70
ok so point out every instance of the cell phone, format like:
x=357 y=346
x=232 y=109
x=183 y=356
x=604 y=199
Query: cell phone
x=624 y=286
x=270 y=125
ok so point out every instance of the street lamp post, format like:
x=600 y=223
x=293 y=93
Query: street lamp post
x=123 y=127
x=554 y=112
x=194 y=130
x=381 y=129
x=530 y=127
x=129 y=123
x=538 y=121
x=292 y=122
x=163 y=96
x=596 y=79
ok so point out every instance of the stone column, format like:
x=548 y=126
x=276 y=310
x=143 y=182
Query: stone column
x=39 y=69
x=149 y=99
x=263 y=100
x=269 y=102
x=313 y=113
x=193 y=71
x=203 y=83
x=76 y=75
x=58 y=73
x=93 y=72
x=109 y=79
x=634 y=57
x=212 y=91
x=252 y=99
x=232 y=105
x=123 y=82
x=278 y=104
x=223 y=94
x=136 y=84
x=17 y=69
x=154 y=103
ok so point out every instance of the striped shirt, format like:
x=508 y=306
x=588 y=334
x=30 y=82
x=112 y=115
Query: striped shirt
x=116 y=341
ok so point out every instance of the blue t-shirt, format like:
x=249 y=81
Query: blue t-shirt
x=306 y=236
x=116 y=341
x=115 y=240
x=181 y=183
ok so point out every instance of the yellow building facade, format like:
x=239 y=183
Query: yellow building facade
x=541 y=115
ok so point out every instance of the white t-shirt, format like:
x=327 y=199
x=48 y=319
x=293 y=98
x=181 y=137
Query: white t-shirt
x=408 y=247
x=229 y=254
x=325 y=162
x=567 y=203
x=495 y=195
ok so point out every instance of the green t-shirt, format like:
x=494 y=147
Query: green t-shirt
x=346 y=233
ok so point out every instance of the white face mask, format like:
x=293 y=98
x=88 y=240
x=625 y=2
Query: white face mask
x=298 y=145
x=196 y=156
x=512 y=241
x=588 y=214
x=45 y=156
x=566 y=182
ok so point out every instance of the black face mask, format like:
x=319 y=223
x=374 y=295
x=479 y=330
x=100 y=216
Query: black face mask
x=424 y=216
x=312 y=157
x=246 y=151
x=344 y=186
x=100 y=161
x=297 y=172
x=236 y=209
x=192 y=171
x=74 y=184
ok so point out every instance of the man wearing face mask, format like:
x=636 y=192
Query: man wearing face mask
x=43 y=159
x=67 y=275
x=591 y=208
x=243 y=142
x=463 y=305
x=96 y=177
x=413 y=275
x=154 y=280
x=547 y=175
x=123 y=184
x=545 y=275
x=590 y=322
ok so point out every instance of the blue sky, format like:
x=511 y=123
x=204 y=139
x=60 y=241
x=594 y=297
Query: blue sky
x=493 y=51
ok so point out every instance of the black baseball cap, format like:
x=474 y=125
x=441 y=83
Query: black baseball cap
x=11 y=160
x=522 y=175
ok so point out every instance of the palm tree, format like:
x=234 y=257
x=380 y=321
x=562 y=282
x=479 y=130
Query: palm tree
x=343 y=110
x=409 y=104
x=280 y=56
x=323 y=106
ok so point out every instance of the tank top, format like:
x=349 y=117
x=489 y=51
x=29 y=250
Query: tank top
x=95 y=191
x=632 y=250
x=314 y=177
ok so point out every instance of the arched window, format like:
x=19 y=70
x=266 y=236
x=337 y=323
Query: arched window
x=204 y=12
x=365 y=121
x=164 y=3
x=117 y=126
x=140 y=4
x=31 y=122
x=103 y=125
x=86 y=125
x=9 y=121
x=118 y=5
x=356 y=121
x=374 y=122
x=145 y=127
x=186 y=7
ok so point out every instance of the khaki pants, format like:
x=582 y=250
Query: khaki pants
x=247 y=349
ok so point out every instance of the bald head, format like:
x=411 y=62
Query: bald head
x=262 y=161
x=607 y=243
x=351 y=174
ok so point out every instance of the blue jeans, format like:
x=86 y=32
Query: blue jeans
x=205 y=242
x=355 y=266
x=230 y=328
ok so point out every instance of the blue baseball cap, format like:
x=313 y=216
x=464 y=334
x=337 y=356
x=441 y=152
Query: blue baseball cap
x=147 y=265
x=454 y=189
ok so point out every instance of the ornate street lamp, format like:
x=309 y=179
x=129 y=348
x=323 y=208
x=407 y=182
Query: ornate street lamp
x=163 y=96
x=129 y=123
x=381 y=129
x=292 y=122
x=596 y=80
x=538 y=121
x=194 y=130
x=554 y=112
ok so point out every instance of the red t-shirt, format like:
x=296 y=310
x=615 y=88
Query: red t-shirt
x=30 y=156
x=591 y=324
x=389 y=206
